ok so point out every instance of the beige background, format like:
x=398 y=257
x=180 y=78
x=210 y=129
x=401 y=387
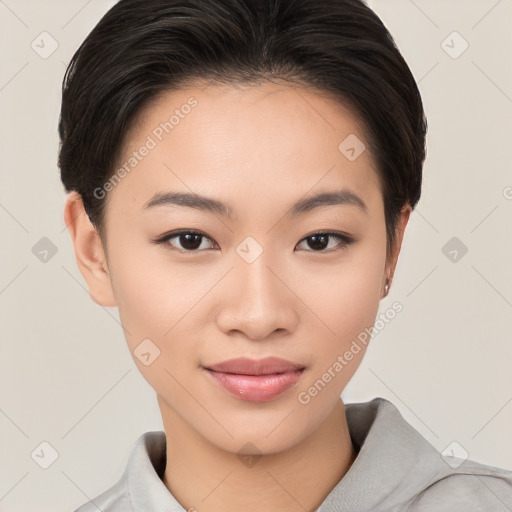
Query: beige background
x=66 y=376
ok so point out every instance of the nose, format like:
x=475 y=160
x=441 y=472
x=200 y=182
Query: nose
x=257 y=302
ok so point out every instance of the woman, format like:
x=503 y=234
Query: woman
x=241 y=174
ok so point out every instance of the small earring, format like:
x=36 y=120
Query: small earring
x=386 y=287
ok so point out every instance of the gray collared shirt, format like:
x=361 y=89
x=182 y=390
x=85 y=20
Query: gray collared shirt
x=396 y=470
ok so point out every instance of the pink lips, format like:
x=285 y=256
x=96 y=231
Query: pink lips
x=256 y=380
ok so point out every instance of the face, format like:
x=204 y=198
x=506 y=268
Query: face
x=258 y=269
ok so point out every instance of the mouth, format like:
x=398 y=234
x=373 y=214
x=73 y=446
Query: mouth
x=256 y=380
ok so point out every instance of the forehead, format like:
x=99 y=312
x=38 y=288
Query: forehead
x=266 y=138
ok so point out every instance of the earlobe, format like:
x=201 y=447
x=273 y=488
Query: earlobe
x=89 y=251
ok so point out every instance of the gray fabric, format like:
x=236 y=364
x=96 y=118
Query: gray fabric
x=396 y=470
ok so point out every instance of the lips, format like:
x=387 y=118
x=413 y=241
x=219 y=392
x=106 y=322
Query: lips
x=256 y=380
x=245 y=366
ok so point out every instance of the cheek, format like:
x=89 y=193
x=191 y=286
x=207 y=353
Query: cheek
x=349 y=309
x=161 y=300
x=347 y=304
x=155 y=301
x=346 y=296
x=150 y=295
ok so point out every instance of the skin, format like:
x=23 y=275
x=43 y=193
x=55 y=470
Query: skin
x=259 y=149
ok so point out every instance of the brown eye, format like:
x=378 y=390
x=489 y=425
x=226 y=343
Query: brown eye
x=193 y=241
x=187 y=241
x=318 y=242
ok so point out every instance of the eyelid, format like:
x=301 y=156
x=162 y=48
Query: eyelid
x=174 y=234
x=344 y=240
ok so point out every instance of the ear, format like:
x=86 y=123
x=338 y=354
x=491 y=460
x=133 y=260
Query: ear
x=90 y=255
x=392 y=258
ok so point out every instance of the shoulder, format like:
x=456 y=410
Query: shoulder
x=140 y=486
x=115 y=499
x=472 y=487
x=408 y=474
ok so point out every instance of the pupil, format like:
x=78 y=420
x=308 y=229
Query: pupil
x=315 y=245
x=188 y=244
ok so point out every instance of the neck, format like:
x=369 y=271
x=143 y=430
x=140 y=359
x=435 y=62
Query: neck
x=204 y=477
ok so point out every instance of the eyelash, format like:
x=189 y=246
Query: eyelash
x=163 y=240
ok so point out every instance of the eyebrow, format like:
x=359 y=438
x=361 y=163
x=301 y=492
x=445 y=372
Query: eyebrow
x=207 y=204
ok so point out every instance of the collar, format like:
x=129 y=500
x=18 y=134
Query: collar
x=394 y=462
